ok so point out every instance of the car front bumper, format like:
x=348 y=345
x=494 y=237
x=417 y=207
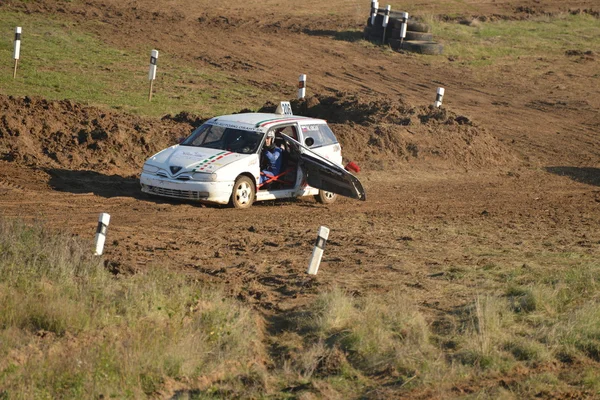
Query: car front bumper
x=212 y=192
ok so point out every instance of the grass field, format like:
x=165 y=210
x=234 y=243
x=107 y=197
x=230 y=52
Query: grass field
x=59 y=62
x=71 y=329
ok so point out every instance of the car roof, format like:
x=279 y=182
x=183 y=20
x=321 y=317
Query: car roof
x=259 y=121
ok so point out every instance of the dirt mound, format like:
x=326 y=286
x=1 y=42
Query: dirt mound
x=63 y=134
x=383 y=133
x=379 y=134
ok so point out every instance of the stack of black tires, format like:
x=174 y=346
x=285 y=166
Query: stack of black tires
x=419 y=38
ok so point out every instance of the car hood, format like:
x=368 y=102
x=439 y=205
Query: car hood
x=177 y=159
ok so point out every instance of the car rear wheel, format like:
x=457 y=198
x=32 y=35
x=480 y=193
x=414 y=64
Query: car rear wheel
x=325 y=197
x=243 y=192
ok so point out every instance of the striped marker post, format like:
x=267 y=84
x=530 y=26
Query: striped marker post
x=317 y=253
x=17 y=51
x=403 y=26
x=374 y=7
x=439 y=97
x=301 y=86
x=103 y=221
x=152 y=71
x=386 y=19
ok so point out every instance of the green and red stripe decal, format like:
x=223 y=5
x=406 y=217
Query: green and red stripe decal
x=205 y=163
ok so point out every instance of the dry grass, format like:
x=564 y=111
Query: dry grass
x=352 y=341
x=69 y=329
x=370 y=336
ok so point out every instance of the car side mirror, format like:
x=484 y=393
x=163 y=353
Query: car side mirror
x=309 y=141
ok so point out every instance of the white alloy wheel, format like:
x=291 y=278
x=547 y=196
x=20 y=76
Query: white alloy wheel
x=325 y=197
x=243 y=192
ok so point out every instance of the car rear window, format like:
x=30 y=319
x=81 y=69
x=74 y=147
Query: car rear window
x=320 y=133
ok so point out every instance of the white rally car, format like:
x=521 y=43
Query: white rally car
x=220 y=162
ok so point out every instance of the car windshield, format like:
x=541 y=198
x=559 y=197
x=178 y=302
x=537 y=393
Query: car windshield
x=223 y=138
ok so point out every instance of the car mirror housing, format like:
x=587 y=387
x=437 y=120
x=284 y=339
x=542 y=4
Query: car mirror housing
x=309 y=141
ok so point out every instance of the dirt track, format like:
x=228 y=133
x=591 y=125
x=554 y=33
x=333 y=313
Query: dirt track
x=522 y=177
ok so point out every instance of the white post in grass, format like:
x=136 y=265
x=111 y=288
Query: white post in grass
x=152 y=71
x=386 y=19
x=403 y=26
x=374 y=7
x=103 y=221
x=301 y=86
x=17 y=51
x=439 y=97
x=317 y=253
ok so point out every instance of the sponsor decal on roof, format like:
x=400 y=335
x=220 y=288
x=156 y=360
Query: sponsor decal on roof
x=235 y=126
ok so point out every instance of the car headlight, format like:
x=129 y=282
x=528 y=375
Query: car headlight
x=204 y=176
x=150 y=169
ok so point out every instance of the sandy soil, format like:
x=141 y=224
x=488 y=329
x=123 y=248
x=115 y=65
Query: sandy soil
x=511 y=163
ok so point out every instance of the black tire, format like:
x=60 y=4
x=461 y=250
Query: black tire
x=376 y=31
x=421 y=47
x=416 y=26
x=326 y=197
x=422 y=36
x=243 y=193
x=367 y=32
x=413 y=26
x=410 y=35
x=395 y=44
x=374 y=39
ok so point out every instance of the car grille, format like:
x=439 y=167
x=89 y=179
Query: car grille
x=179 y=194
x=179 y=178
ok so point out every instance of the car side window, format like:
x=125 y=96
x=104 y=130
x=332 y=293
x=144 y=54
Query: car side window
x=320 y=134
x=290 y=131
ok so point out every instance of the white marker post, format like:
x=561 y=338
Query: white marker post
x=17 y=52
x=439 y=97
x=103 y=221
x=403 y=26
x=386 y=19
x=317 y=254
x=152 y=71
x=301 y=86
x=374 y=7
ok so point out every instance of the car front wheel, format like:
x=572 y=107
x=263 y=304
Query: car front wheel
x=325 y=197
x=243 y=192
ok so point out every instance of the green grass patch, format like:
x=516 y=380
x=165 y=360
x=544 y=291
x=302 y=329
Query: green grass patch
x=486 y=43
x=60 y=62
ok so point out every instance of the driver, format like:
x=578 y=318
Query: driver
x=271 y=156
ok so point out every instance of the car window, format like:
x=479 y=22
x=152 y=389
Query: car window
x=288 y=130
x=320 y=133
x=222 y=138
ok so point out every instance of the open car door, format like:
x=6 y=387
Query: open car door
x=324 y=174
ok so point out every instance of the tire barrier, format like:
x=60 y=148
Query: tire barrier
x=416 y=37
x=417 y=46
